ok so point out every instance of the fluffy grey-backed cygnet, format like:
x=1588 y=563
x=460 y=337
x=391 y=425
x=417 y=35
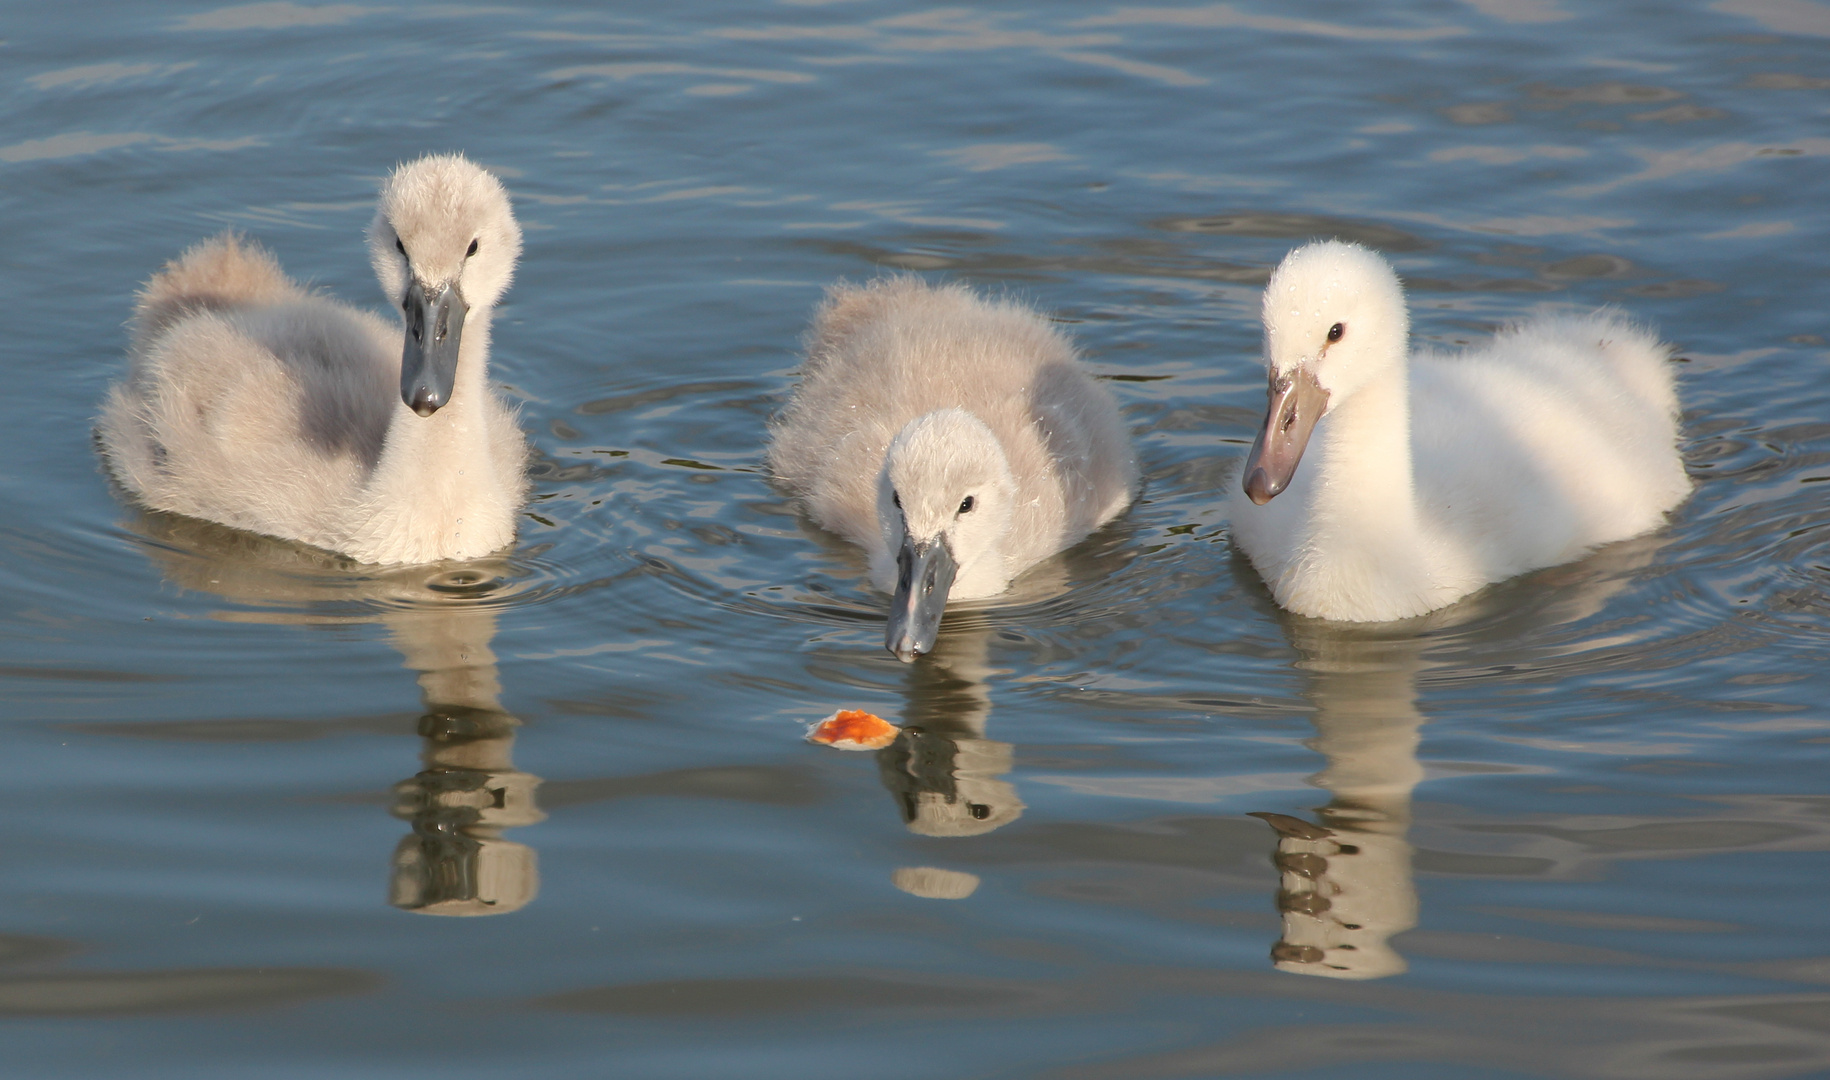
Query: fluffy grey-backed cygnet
x=1434 y=475
x=956 y=439
x=258 y=404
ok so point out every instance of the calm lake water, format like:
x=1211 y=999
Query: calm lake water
x=1575 y=826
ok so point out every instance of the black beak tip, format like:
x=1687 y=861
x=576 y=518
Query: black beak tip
x=424 y=404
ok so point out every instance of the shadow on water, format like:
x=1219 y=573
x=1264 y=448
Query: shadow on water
x=455 y=861
x=26 y=991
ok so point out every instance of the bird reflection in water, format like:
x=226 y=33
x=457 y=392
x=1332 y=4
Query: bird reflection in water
x=1346 y=883
x=455 y=861
x=942 y=771
x=1346 y=886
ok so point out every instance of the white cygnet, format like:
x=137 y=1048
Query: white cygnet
x=1433 y=475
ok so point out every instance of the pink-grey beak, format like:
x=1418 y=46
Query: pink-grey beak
x=1296 y=402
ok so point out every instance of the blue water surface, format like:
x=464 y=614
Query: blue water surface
x=1579 y=821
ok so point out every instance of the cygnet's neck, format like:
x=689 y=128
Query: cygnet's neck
x=1365 y=547
x=986 y=575
x=1366 y=473
x=433 y=494
x=453 y=442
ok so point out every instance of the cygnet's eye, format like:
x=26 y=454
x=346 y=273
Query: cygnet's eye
x=472 y=251
x=966 y=505
x=400 y=247
x=896 y=499
x=1335 y=332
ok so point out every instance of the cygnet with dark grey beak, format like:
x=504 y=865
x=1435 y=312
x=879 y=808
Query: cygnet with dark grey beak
x=258 y=404
x=957 y=440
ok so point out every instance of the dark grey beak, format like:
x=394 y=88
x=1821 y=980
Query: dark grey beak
x=924 y=575
x=1295 y=403
x=428 y=367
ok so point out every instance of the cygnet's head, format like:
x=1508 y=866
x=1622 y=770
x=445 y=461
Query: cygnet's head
x=444 y=241
x=944 y=502
x=1334 y=321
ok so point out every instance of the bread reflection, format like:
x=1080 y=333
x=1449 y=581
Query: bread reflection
x=455 y=861
x=942 y=771
x=1346 y=886
x=934 y=883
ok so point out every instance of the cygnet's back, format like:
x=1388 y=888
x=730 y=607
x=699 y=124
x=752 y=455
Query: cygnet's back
x=213 y=423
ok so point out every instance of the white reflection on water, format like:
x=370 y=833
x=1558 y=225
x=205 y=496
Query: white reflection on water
x=1664 y=164
x=1229 y=16
x=82 y=143
x=621 y=72
x=984 y=157
x=275 y=15
x=85 y=76
x=1782 y=16
x=1506 y=155
x=1531 y=225
x=1521 y=11
x=960 y=30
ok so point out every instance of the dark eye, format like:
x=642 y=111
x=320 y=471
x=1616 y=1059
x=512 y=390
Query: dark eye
x=966 y=505
x=978 y=810
x=472 y=251
x=896 y=499
x=1335 y=332
x=400 y=247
